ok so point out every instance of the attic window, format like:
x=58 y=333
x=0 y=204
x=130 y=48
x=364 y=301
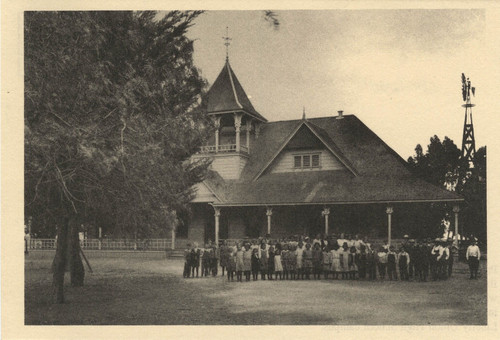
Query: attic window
x=306 y=161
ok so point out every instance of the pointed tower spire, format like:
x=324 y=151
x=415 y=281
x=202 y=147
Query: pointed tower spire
x=304 y=113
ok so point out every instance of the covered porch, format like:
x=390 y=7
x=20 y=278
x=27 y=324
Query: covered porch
x=383 y=221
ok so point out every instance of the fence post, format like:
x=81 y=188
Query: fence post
x=173 y=239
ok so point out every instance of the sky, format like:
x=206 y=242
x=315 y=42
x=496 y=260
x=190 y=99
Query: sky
x=399 y=71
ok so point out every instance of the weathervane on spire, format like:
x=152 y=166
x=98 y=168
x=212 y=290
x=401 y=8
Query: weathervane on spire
x=227 y=42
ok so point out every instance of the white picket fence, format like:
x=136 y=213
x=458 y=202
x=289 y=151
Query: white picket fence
x=108 y=244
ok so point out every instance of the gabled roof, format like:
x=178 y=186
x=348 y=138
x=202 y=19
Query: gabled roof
x=322 y=136
x=227 y=95
x=378 y=173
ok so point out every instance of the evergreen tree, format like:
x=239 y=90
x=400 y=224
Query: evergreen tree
x=112 y=117
x=441 y=165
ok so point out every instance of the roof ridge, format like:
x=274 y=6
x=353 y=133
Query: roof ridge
x=300 y=119
x=232 y=84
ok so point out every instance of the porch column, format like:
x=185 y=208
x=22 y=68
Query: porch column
x=248 y=130
x=269 y=213
x=326 y=213
x=217 y=128
x=389 y=210
x=237 y=128
x=456 y=210
x=217 y=215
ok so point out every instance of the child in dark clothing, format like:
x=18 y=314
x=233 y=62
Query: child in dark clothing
x=255 y=263
x=317 y=258
x=263 y=261
x=230 y=264
x=403 y=261
x=195 y=259
x=391 y=264
x=371 y=262
x=187 y=260
x=270 y=263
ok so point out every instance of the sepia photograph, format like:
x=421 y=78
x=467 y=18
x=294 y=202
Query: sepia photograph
x=255 y=167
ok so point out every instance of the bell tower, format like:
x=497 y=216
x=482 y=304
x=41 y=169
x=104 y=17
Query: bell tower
x=236 y=121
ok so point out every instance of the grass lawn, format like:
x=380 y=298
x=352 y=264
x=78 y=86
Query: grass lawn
x=133 y=290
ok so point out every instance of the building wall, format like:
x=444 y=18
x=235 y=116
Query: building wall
x=285 y=161
x=229 y=165
x=236 y=227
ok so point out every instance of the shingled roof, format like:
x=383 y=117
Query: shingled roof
x=227 y=95
x=380 y=175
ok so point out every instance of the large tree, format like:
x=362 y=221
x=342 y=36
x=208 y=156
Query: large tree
x=443 y=166
x=112 y=116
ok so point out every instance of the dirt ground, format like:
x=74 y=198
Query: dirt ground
x=151 y=291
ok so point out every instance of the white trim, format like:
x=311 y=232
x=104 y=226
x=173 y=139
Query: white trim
x=333 y=152
x=211 y=190
x=335 y=203
x=232 y=85
x=310 y=154
x=303 y=122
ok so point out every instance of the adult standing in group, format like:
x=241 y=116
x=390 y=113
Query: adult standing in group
x=224 y=255
x=473 y=255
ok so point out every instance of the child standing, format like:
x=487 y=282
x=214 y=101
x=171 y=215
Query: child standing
x=307 y=260
x=270 y=263
x=403 y=262
x=195 y=259
x=230 y=264
x=335 y=260
x=353 y=268
x=278 y=266
x=187 y=257
x=371 y=260
x=239 y=263
x=382 y=262
x=391 y=264
x=327 y=260
x=292 y=261
x=247 y=261
x=224 y=252
x=299 y=260
x=361 y=261
x=263 y=260
x=317 y=260
x=285 y=260
x=255 y=263
x=345 y=260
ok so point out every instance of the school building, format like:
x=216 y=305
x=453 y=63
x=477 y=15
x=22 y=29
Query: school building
x=304 y=176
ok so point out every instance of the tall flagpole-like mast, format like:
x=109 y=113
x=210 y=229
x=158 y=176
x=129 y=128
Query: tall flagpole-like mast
x=468 y=141
x=227 y=42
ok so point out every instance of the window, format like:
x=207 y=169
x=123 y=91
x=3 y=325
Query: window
x=297 y=161
x=315 y=161
x=306 y=161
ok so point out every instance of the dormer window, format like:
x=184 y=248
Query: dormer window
x=306 y=161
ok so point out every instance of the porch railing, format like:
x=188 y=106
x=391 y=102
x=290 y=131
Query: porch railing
x=223 y=148
x=108 y=244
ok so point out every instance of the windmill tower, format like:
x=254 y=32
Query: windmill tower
x=468 y=141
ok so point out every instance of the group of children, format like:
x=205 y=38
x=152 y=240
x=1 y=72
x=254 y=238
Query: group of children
x=341 y=258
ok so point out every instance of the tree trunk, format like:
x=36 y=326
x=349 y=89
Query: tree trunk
x=76 y=268
x=59 y=264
